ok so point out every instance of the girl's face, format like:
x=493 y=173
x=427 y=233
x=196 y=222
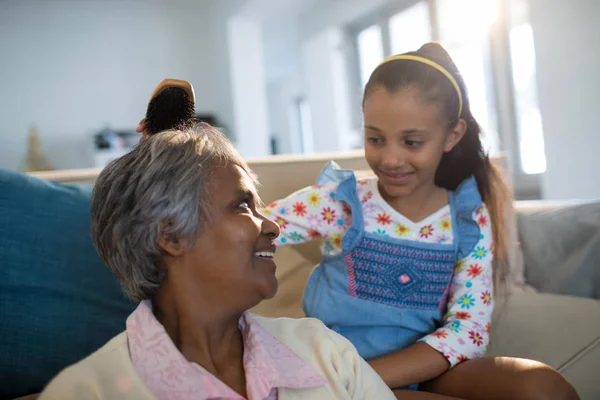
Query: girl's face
x=405 y=138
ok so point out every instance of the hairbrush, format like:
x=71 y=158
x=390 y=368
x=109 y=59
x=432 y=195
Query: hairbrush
x=171 y=106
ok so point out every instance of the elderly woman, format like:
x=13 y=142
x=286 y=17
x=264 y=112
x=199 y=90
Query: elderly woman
x=176 y=221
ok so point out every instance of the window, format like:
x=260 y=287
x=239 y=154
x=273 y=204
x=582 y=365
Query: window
x=410 y=29
x=370 y=51
x=462 y=21
x=471 y=62
x=529 y=120
x=464 y=28
x=302 y=126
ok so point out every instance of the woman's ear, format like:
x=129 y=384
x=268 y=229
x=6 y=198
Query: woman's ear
x=170 y=244
x=455 y=135
x=173 y=247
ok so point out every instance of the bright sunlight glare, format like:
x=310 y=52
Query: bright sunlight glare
x=467 y=19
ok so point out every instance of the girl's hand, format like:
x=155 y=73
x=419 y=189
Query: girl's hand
x=140 y=126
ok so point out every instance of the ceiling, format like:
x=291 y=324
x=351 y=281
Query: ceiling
x=269 y=11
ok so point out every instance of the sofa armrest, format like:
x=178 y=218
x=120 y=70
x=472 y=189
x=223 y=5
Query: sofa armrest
x=561 y=246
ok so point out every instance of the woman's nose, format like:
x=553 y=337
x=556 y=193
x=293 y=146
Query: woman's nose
x=270 y=228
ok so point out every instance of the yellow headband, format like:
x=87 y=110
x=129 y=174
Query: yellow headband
x=434 y=65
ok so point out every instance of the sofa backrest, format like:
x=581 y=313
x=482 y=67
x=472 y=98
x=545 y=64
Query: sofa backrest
x=561 y=246
x=279 y=176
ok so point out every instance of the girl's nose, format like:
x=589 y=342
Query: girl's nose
x=393 y=158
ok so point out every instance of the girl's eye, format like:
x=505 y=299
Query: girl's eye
x=413 y=143
x=375 y=140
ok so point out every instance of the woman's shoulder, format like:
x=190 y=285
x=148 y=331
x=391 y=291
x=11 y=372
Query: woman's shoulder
x=302 y=335
x=85 y=378
x=110 y=352
x=311 y=340
x=331 y=355
x=291 y=327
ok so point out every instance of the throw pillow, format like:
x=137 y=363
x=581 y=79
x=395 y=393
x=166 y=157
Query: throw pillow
x=58 y=301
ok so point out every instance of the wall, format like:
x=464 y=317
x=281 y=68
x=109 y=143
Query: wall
x=215 y=58
x=306 y=57
x=327 y=78
x=283 y=122
x=567 y=46
x=337 y=13
x=285 y=84
x=246 y=72
x=74 y=67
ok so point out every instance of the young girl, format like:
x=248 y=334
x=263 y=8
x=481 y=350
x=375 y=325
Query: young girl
x=411 y=255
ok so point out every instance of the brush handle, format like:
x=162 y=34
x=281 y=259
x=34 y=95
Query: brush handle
x=180 y=83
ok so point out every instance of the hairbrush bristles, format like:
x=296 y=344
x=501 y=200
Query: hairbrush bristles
x=171 y=107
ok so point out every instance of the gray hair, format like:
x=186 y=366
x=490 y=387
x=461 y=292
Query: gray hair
x=158 y=190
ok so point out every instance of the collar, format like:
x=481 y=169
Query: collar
x=268 y=362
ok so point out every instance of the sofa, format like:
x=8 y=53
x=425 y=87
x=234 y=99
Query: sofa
x=58 y=302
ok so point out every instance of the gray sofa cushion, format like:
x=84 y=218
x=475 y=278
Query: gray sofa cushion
x=580 y=372
x=561 y=246
x=561 y=331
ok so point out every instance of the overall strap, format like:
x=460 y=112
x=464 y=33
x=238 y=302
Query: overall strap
x=347 y=193
x=463 y=203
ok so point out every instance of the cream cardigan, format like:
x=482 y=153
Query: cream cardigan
x=109 y=374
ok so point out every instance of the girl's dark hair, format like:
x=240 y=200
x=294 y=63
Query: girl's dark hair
x=468 y=157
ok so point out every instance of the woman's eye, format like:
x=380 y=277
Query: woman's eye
x=245 y=205
x=374 y=140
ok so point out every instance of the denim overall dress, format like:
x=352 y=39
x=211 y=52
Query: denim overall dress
x=381 y=293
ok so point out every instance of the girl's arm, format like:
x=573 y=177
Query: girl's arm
x=415 y=364
x=466 y=325
x=308 y=214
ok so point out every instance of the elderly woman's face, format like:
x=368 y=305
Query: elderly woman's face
x=232 y=259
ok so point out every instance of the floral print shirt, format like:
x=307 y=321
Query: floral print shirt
x=314 y=213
